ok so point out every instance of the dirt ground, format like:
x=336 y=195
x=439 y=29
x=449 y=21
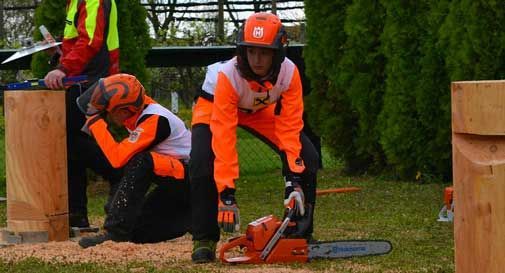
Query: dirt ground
x=108 y=252
x=173 y=253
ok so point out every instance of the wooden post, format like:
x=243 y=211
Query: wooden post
x=2 y=30
x=274 y=6
x=220 y=21
x=478 y=142
x=36 y=163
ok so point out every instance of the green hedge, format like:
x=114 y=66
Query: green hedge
x=400 y=131
x=361 y=76
x=134 y=40
x=381 y=72
x=433 y=159
x=474 y=39
x=328 y=104
x=51 y=14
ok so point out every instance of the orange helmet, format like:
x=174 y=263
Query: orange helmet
x=114 y=92
x=262 y=30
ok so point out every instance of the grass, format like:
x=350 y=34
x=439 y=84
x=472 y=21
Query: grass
x=403 y=212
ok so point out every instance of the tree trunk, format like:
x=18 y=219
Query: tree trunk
x=220 y=21
x=2 y=34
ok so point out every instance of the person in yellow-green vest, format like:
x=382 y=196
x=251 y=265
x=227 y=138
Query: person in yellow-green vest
x=90 y=47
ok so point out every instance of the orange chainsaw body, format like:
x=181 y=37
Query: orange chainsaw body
x=257 y=236
x=448 y=196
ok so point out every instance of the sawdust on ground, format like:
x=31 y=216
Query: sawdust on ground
x=108 y=252
x=174 y=253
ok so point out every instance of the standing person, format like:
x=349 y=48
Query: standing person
x=90 y=47
x=156 y=151
x=259 y=90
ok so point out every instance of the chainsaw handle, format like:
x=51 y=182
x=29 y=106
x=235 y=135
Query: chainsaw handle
x=239 y=241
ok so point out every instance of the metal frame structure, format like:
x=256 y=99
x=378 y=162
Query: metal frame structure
x=196 y=56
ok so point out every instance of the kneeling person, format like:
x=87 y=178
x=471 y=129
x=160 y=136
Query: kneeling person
x=156 y=151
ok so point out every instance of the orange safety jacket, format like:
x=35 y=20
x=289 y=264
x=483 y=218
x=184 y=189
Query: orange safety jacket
x=155 y=129
x=233 y=93
x=90 y=40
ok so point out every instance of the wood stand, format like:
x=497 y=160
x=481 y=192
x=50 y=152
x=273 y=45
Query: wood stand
x=36 y=164
x=478 y=142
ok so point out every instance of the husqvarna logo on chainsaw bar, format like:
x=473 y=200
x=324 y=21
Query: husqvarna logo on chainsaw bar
x=258 y=32
x=337 y=249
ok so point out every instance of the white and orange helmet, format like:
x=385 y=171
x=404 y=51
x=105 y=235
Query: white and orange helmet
x=265 y=30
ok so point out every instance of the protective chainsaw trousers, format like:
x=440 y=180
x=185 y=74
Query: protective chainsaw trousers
x=203 y=187
x=136 y=215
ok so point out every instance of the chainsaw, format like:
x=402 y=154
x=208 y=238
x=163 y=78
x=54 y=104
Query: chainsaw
x=265 y=242
x=446 y=214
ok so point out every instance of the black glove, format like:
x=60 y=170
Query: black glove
x=228 y=217
x=293 y=194
x=304 y=225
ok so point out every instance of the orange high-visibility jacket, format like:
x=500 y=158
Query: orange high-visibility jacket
x=173 y=140
x=233 y=93
x=90 y=42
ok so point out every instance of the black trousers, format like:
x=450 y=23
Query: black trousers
x=136 y=215
x=82 y=153
x=314 y=138
x=204 y=194
x=203 y=187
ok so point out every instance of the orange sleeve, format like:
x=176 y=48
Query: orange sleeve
x=289 y=123
x=120 y=153
x=223 y=125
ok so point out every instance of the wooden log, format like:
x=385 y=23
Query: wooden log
x=478 y=142
x=337 y=190
x=36 y=163
x=476 y=105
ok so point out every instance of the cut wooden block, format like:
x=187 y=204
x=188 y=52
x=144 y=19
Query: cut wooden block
x=478 y=142
x=36 y=164
x=477 y=107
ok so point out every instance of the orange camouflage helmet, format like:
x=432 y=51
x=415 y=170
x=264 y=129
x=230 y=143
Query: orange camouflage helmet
x=119 y=91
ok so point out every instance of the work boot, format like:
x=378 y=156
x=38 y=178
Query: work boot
x=78 y=220
x=86 y=242
x=204 y=251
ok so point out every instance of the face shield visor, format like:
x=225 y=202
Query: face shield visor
x=94 y=100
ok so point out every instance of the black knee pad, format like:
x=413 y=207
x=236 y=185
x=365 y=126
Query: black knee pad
x=142 y=161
